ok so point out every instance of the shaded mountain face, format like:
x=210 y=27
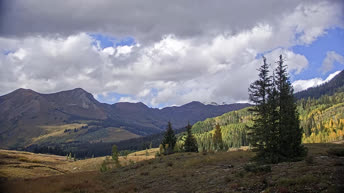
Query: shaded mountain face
x=28 y=117
x=329 y=88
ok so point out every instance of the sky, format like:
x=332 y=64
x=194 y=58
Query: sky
x=165 y=53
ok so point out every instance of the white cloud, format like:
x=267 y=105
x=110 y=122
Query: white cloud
x=311 y=20
x=109 y=50
x=331 y=57
x=127 y=99
x=19 y=54
x=123 y=50
x=300 y=85
x=296 y=62
x=171 y=68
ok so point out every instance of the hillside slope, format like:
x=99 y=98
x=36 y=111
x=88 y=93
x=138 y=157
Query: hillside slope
x=336 y=84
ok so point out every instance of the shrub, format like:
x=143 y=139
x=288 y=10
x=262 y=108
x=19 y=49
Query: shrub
x=336 y=152
x=103 y=166
x=309 y=160
x=228 y=179
x=144 y=173
x=255 y=168
x=115 y=155
x=131 y=162
x=169 y=164
x=240 y=174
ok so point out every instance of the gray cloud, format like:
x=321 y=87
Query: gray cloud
x=186 y=50
x=144 y=20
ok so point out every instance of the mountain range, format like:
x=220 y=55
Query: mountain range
x=75 y=119
x=28 y=117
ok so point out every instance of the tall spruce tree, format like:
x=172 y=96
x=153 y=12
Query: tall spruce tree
x=169 y=140
x=217 y=138
x=276 y=132
x=289 y=125
x=259 y=95
x=190 y=144
x=272 y=154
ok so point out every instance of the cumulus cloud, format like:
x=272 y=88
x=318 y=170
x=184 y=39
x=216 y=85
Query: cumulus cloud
x=330 y=59
x=300 y=85
x=209 y=55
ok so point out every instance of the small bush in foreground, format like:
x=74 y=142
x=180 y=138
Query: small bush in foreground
x=255 y=168
x=169 y=164
x=309 y=160
x=336 y=152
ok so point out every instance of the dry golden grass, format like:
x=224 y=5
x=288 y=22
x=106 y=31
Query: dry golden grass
x=56 y=130
x=149 y=152
x=192 y=172
x=116 y=134
x=19 y=164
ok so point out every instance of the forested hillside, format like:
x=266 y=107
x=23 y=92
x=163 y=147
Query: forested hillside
x=322 y=120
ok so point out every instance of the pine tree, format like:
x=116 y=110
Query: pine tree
x=289 y=124
x=190 y=144
x=272 y=132
x=115 y=155
x=217 y=138
x=259 y=95
x=169 y=140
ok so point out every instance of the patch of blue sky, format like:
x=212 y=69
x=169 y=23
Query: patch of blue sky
x=332 y=40
x=109 y=41
x=315 y=53
x=6 y=52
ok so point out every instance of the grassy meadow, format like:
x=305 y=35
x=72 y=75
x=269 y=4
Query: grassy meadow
x=321 y=171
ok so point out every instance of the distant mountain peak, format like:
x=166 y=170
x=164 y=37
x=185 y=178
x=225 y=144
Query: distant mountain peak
x=24 y=90
x=193 y=103
x=79 y=90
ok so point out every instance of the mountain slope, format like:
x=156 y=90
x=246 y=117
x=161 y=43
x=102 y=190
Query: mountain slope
x=329 y=88
x=74 y=116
